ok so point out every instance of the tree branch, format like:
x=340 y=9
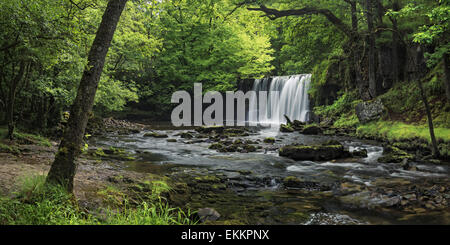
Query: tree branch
x=275 y=14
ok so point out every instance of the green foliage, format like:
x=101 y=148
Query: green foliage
x=397 y=131
x=112 y=95
x=25 y=138
x=345 y=104
x=38 y=204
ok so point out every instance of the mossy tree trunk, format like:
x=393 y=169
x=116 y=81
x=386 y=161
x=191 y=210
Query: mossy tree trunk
x=63 y=168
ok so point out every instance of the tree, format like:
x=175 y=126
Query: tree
x=63 y=168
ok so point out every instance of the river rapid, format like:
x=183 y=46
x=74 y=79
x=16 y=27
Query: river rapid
x=263 y=188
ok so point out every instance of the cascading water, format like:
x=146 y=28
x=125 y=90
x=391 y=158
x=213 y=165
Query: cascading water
x=286 y=95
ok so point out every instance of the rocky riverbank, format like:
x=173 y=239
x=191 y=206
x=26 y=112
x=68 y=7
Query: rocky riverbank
x=240 y=176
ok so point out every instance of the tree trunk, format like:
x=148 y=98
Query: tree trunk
x=12 y=100
x=434 y=148
x=355 y=44
x=63 y=168
x=421 y=65
x=446 y=65
x=395 y=45
x=372 y=54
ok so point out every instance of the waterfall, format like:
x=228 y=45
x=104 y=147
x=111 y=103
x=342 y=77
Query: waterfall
x=286 y=95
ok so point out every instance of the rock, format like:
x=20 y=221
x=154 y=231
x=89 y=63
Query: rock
x=233 y=132
x=249 y=148
x=171 y=140
x=359 y=153
x=186 y=136
x=269 y=140
x=156 y=135
x=208 y=214
x=369 y=111
x=314 y=152
x=297 y=125
x=392 y=154
x=208 y=130
x=286 y=128
x=407 y=166
x=311 y=130
x=216 y=146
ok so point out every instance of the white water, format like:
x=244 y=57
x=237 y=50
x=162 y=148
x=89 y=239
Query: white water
x=292 y=101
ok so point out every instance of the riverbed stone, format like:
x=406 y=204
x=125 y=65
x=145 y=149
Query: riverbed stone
x=359 y=153
x=311 y=130
x=156 y=135
x=208 y=214
x=392 y=154
x=314 y=152
x=210 y=129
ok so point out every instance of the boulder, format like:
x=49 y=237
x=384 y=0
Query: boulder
x=392 y=154
x=323 y=152
x=369 y=111
x=286 y=128
x=207 y=130
x=359 y=153
x=186 y=135
x=156 y=135
x=311 y=130
x=269 y=140
x=208 y=214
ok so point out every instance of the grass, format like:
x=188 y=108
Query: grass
x=25 y=138
x=398 y=131
x=38 y=204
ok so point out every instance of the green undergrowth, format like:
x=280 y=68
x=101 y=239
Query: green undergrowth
x=37 y=204
x=26 y=138
x=404 y=102
x=398 y=131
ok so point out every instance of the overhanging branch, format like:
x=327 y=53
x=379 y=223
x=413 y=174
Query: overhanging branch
x=275 y=14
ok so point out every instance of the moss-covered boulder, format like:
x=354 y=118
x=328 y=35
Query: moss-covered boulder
x=392 y=154
x=210 y=129
x=269 y=140
x=235 y=132
x=285 y=128
x=359 y=153
x=311 y=130
x=323 y=152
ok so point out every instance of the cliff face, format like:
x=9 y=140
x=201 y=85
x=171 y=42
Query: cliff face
x=339 y=74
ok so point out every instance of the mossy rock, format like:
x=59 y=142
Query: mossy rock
x=392 y=154
x=269 y=140
x=314 y=152
x=311 y=130
x=249 y=148
x=156 y=135
x=286 y=128
x=208 y=130
x=234 y=132
x=359 y=153
x=207 y=179
x=186 y=136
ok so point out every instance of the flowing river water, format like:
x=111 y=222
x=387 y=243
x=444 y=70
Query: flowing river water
x=347 y=191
